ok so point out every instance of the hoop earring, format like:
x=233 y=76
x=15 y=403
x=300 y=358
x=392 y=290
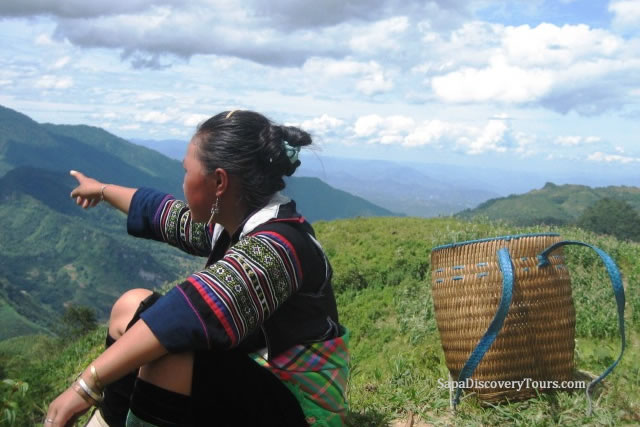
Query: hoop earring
x=215 y=210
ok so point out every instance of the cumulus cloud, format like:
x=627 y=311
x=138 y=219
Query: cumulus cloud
x=61 y=63
x=370 y=78
x=495 y=136
x=323 y=125
x=76 y=8
x=599 y=156
x=374 y=83
x=153 y=117
x=297 y=14
x=500 y=81
x=380 y=35
x=146 y=36
x=374 y=128
x=54 y=82
x=563 y=68
x=490 y=138
x=44 y=40
x=626 y=14
x=278 y=32
x=573 y=141
x=393 y=50
x=193 y=120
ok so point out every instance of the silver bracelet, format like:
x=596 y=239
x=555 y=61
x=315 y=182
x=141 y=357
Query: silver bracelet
x=102 y=192
x=98 y=397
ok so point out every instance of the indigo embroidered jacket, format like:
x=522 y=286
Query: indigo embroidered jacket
x=268 y=285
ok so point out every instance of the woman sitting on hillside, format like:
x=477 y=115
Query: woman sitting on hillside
x=253 y=338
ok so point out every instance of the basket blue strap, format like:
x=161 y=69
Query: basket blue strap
x=618 y=290
x=504 y=260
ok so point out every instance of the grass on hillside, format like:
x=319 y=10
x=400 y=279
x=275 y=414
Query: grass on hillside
x=382 y=282
x=383 y=279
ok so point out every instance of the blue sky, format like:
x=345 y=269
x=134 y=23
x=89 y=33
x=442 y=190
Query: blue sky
x=524 y=84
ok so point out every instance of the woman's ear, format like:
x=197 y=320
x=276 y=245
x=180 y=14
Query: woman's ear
x=220 y=181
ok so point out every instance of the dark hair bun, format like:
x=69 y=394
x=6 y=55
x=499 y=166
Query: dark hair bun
x=274 y=138
x=247 y=144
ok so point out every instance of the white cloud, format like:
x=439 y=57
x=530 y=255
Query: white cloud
x=430 y=132
x=193 y=120
x=53 y=82
x=383 y=130
x=75 y=8
x=572 y=141
x=498 y=82
x=60 y=63
x=548 y=45
x=626 y=13
x=494 y=136
x=379 y=35
x=374 y=83
x=322 y=125
x=563 y=68
x=612 y=158
x=370 y=77
x=338 y=68
x=134 y=126
x=150 y=96
x=278 y=32
x=153 y=117
x=43 y=40
x=491 y=138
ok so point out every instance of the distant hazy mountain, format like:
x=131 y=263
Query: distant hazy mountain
x=552 y=204
x=53 y=253
x=173 y=148
x=395 y=186
x=514 y=179
x=430 y=189
x=318 y=200
x=407 y=189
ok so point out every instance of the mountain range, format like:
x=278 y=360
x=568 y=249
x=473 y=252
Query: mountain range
x=429 y=189
x=53 y=253
x=551 y=204
x=408 y=189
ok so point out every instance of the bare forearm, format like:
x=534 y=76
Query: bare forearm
x=135 y=348
x=90 y=192
x=117 y=196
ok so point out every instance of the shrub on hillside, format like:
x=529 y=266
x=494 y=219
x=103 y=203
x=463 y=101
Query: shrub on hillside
x=614 y=217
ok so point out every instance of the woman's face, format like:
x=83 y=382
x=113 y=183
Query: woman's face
x=198 y=187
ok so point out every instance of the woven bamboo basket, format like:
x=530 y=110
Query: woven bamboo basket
x=536 y=340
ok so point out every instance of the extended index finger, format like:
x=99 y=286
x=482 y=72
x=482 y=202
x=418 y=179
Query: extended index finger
x=77 y=175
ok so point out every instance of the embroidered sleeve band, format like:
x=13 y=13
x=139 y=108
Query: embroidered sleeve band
x=159 y=216
x=232 y=298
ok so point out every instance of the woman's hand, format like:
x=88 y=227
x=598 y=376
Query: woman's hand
x=66 y=409
x=88 y=193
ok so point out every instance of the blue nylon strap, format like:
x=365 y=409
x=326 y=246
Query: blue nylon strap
x=618 y=290
x=504 y=259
